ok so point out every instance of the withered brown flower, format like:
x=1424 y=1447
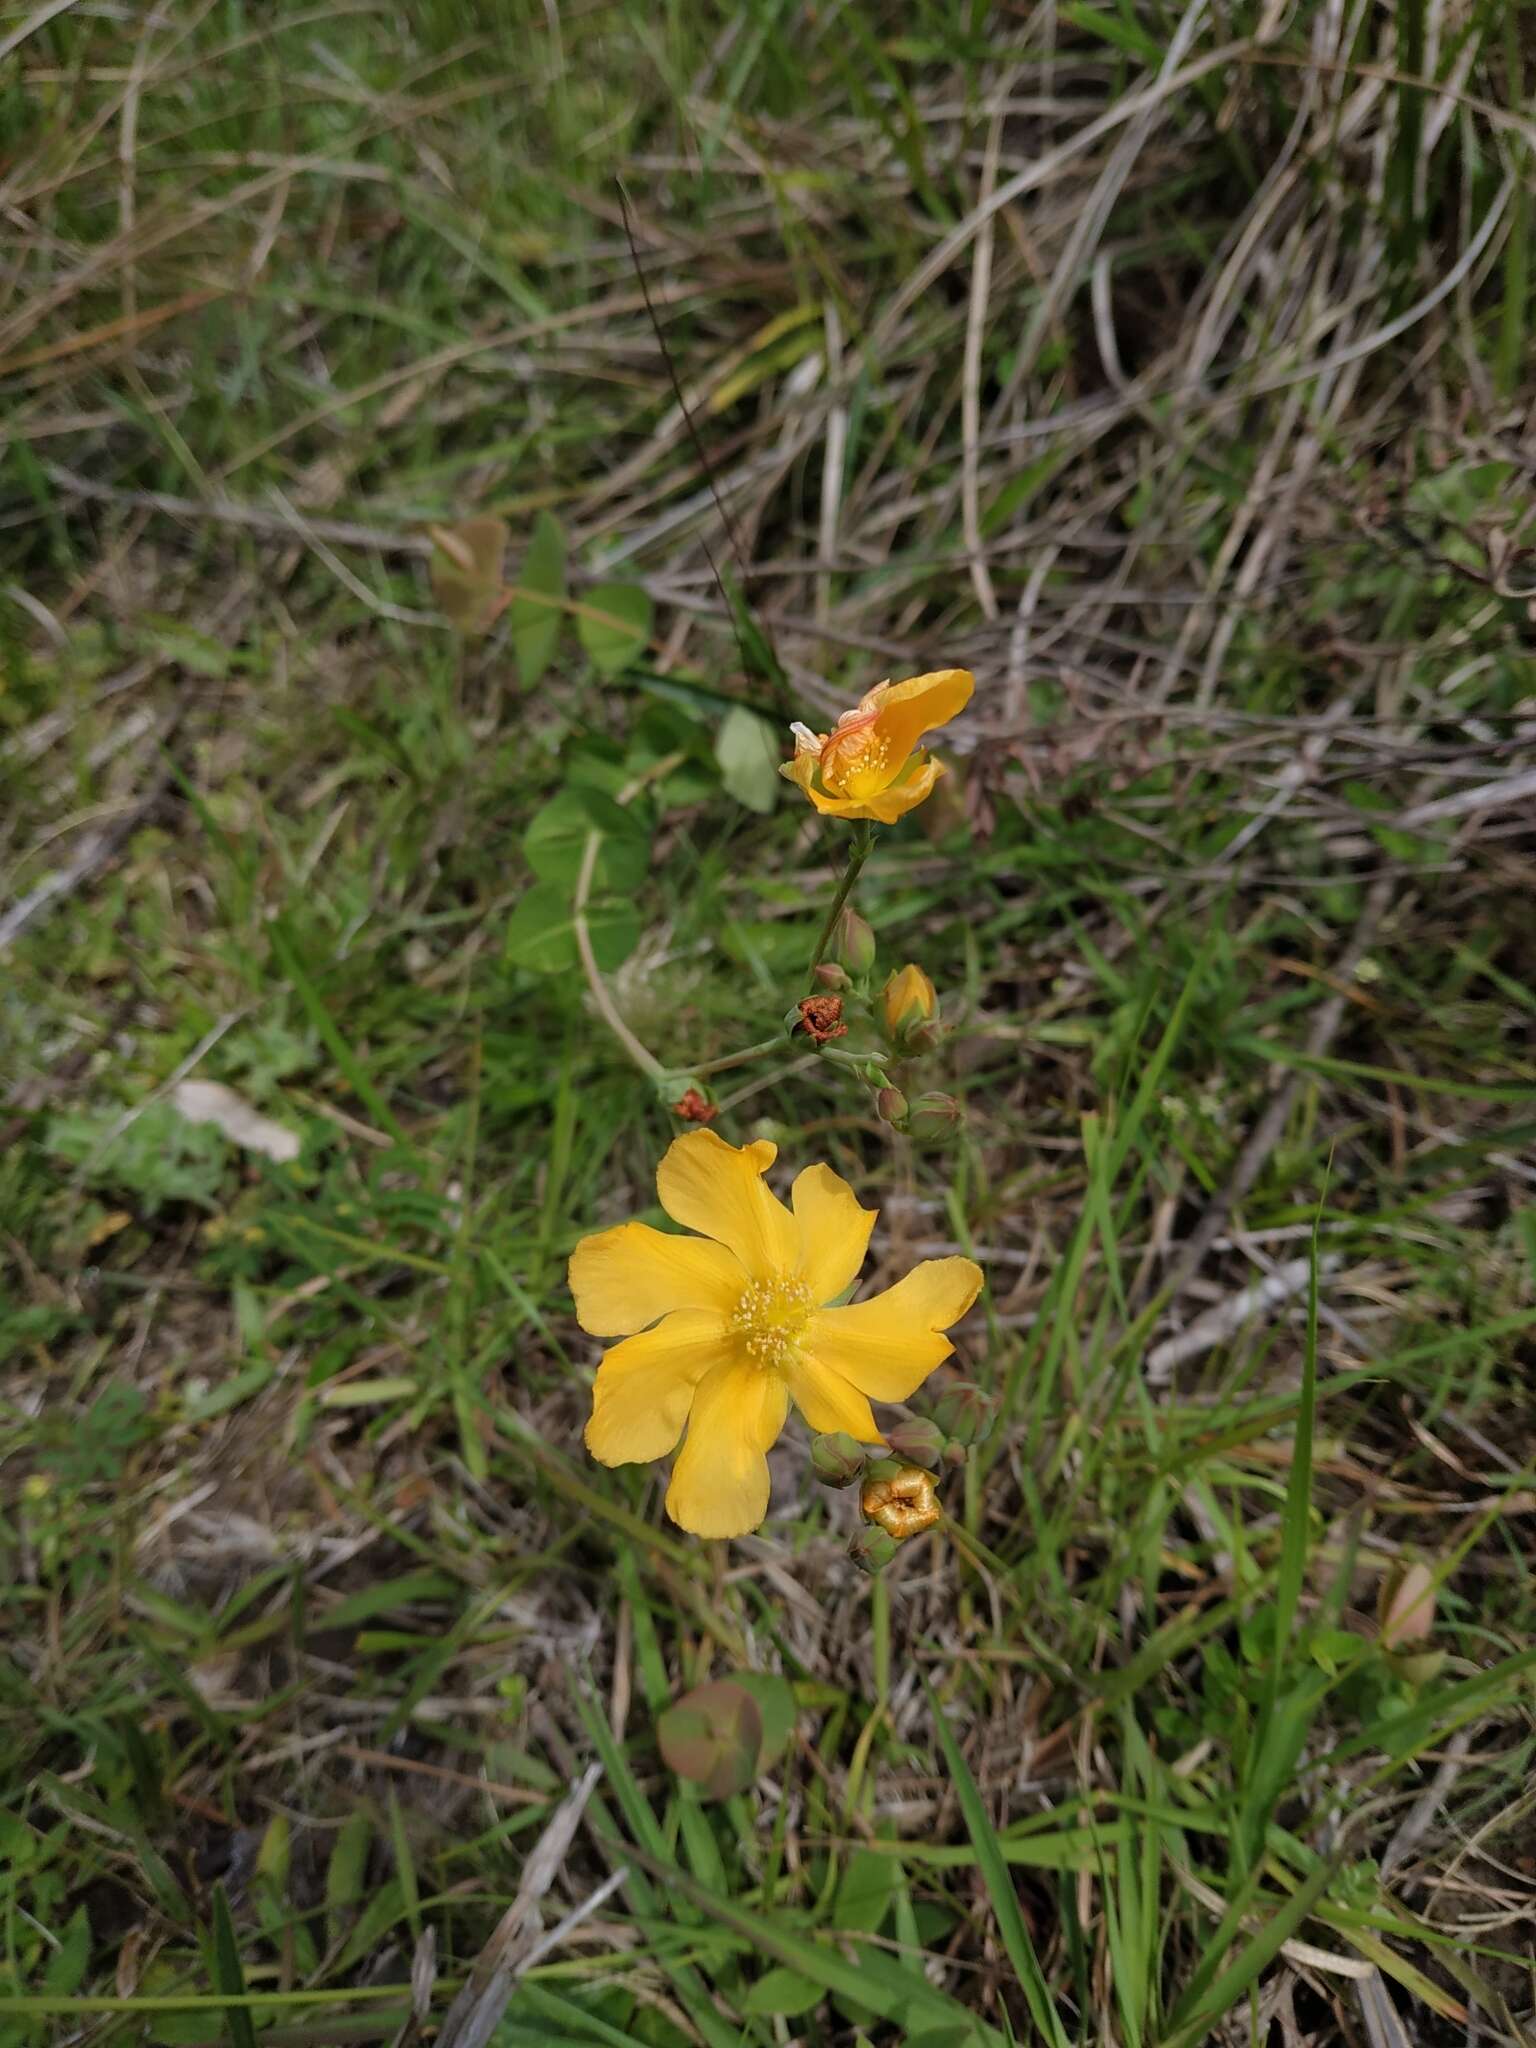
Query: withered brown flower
x=903 y=1505
x=821 y=1018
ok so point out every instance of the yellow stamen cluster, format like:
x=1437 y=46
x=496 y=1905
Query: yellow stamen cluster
x=865 y=754
x=770 y=1318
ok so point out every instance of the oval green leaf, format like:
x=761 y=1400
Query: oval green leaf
x=614 y=624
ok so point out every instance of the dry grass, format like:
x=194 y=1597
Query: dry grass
x=1172 y=374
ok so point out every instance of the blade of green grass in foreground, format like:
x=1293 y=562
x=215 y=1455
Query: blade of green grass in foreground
x=999 y=1883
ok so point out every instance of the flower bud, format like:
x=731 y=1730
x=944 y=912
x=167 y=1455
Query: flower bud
x=872 y=1549
x=837 y=1459
x=933 y=1118
x=892 y=1106
x=916 y=1441
x=903 y=1505
x=1405 y=1609
x=963 y=1412
x=831 y=976
x=853 y=942
x=693 y=1105
x=908 y=1004
x=1417 y=1670
x=954 y=1451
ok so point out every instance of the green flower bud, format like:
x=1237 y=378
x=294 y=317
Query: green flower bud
x=830 y=975
x=853 y=942
x=892 y=1106
x=963 y=1412
x=933 y=1118
x=872 y=1548
x=917 y=1441
x=836 y=1458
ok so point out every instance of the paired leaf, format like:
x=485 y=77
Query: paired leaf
x=748 y=751
x=541 y=932
x=614 y=624
x=556 y=839
x=537 y=609
x=724 y=1734
x=713 y=1737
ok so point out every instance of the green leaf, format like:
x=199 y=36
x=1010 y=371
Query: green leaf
x=541 y=932
x=999 y=1883
x=713 y=1737
x=867 y=1891
x=537 y=609
x=775 y=1699
x=66 y=1966
x=344 y=1877
x=386 y=1596
x=229 y=1975
x=782 y=1991
x=614 y=624
x=556 y=840
x=158 y=1156
x=748 y=751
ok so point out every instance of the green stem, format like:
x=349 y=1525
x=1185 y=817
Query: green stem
x=858 y=853
x=759 y=1051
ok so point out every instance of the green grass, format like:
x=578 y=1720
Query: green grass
x=314 y=1607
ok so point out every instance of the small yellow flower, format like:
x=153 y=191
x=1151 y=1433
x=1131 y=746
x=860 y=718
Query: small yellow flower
x=871 y=766
x=908 y=1001
x=723 y=1330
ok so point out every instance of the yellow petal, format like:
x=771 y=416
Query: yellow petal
x=626 y=1277
x=719 y=1190
x=644 y=1386
x=888 y=1345
x=834 y=1231
x=720 y=1481
x=827 y=1401
x=887 y=805
x=908 y=710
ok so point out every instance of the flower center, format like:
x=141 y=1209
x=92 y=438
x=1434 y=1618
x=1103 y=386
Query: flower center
x=770 y=1317
x=856 y=756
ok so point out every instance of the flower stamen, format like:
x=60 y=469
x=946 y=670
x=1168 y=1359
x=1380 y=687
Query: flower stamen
x=770 y=1318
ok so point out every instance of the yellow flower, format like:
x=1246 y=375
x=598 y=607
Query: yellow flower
x=722 y=1331
x=908 y=1001
x=871 y=766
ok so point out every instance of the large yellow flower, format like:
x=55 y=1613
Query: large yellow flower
x=724 y=1330
x=871 y=766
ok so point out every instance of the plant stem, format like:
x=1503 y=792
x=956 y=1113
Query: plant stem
x=858 y=853
x=644 y=1059
x=736 y=1059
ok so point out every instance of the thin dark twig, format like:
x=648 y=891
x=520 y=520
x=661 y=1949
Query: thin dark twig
x=743 y=567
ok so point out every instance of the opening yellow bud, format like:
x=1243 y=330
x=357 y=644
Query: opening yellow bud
x=908 y=1001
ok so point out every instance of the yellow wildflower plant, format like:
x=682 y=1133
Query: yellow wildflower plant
x=870 y=765
x=721 y=1331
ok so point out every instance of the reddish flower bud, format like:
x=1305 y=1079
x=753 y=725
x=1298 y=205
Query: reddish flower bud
x=892 y=1105
x=916 y=1441
x=830 y=975
x=963 y=1412
x=694 y=1107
